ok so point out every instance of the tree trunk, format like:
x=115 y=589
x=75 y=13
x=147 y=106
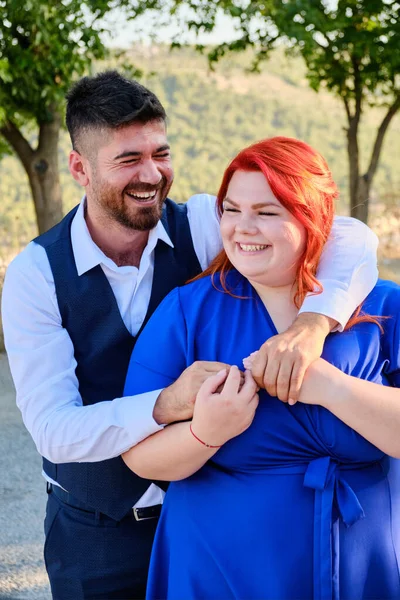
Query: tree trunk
x=44 y=182
x=361 y=204
x=44 y=178
x=358 y=190
x=360 y=185
x=41 y=166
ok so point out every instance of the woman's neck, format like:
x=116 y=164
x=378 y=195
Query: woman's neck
x=279 y=302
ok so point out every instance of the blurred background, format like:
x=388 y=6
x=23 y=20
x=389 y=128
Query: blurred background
x=228 y=74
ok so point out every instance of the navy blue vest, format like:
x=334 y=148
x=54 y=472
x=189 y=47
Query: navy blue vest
x=103 y=346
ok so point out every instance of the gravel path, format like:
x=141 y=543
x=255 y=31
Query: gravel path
x=22 y=503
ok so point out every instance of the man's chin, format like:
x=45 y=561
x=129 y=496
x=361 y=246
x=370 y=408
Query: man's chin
x=141 y=222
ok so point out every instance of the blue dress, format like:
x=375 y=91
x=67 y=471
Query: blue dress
x=299 y=506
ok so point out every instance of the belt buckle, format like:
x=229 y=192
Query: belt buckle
x=139 y=517
x=136 y=514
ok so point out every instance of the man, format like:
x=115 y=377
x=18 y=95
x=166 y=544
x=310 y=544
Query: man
x=76 y=299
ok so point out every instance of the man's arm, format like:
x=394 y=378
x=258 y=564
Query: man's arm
x=348 y=272
x=41 y=356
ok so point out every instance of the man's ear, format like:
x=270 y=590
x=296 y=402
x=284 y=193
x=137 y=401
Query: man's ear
x=79 y=167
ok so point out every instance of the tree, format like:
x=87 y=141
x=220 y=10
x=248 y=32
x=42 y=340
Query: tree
x=44 y=46
x=350 y=47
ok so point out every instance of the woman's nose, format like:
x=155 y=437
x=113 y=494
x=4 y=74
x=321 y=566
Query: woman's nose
x=246 y=225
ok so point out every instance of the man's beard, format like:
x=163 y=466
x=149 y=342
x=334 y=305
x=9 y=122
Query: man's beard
x=123 y=211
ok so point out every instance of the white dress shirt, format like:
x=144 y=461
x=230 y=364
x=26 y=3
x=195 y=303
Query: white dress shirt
x=41 y=353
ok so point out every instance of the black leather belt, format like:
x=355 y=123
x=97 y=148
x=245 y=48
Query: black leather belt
x=140 y=514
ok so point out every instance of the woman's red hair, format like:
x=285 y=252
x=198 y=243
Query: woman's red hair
x=300 y=179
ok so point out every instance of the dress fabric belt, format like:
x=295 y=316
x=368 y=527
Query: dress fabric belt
x=325 y=476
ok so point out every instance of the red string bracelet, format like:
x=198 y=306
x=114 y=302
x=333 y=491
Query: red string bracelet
x=199 y=440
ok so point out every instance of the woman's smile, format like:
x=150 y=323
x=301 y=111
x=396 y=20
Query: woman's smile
x=252 y=248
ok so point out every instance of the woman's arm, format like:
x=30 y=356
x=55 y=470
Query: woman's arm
x=169 y=455
x=177 y=452
x=371 y=409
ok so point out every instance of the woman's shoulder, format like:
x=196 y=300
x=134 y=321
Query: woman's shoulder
x=384 y=288
x=384 y=298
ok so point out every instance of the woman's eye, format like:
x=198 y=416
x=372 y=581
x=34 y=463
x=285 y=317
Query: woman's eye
x=233 y=210
x=268 y=214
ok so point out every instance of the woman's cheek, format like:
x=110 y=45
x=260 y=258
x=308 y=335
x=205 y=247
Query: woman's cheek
x=294 y=235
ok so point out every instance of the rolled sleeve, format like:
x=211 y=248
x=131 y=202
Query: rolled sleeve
x=347 y=271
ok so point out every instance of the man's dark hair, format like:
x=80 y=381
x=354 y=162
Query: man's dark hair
x=108 y=100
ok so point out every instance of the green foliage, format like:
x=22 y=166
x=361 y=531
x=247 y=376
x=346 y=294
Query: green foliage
x=44 y=44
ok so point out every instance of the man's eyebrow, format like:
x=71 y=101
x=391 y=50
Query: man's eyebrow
x=134 y=153
x=258 y=205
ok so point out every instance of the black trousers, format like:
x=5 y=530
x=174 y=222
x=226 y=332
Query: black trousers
x=89 y=556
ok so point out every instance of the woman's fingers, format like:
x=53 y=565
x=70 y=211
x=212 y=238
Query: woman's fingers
x=249 y=387
x=233 y=382
x=214 y=382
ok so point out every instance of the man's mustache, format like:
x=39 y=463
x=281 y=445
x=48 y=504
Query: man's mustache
x=146 y=187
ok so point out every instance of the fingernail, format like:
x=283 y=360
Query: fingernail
x=247 y=363
x=254 y=353
x=221 y=371
x=291 y=401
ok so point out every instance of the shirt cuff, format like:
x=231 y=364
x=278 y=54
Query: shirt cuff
x=333 y=302
x=140 y=408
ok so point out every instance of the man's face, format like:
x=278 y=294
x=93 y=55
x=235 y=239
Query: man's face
x=131 y=174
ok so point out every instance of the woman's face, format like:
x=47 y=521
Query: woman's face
x=262 y=239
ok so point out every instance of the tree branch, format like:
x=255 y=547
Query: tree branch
x=18 y=143
x=347 y=107
x=379 y=138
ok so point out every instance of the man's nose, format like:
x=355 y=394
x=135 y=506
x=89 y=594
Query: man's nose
x=149 y=173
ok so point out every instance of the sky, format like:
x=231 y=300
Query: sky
x=143 y=28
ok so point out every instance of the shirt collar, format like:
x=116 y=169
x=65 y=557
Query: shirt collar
x=88 y=255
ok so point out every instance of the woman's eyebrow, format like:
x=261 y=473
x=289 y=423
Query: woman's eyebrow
x=258 y=205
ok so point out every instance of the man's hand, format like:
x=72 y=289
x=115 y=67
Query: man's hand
x=176 y=402
x=280 y=364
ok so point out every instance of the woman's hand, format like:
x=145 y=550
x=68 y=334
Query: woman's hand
x=321 y=383
x=221 y=415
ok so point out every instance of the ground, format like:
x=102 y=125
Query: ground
x=22 y=503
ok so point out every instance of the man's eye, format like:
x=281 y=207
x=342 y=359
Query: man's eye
x=166 y=155
x=130 y=161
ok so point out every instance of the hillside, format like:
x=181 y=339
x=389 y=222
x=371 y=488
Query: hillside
x=212 y=116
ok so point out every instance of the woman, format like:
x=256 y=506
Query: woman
x=302 y=504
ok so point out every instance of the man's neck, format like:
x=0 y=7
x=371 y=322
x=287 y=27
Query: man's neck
x=122 y=245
